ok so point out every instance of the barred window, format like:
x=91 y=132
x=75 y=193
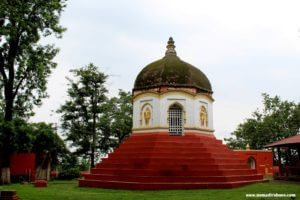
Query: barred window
x=175 y=120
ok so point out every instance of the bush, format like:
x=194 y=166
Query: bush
x=69 y=174
x=70 y=167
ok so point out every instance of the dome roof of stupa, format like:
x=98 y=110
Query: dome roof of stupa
x=171 y=71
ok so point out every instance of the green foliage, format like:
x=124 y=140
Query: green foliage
x=32 y=137
x=69 y=174
x=22 y=136
x=70 y=167
x=25 y=64
x=83 y=111
x=122 y=115
x=279 y=119
x=47 y=141
x=116 y=121
x=93 y=123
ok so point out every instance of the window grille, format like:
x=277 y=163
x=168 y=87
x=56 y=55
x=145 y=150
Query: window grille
x=175 y=120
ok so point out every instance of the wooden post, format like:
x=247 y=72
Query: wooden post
x=279 y=160
x=289 y=156
x=288 y=169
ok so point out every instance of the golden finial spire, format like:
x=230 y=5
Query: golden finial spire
x=248 y=147
x=171 y=47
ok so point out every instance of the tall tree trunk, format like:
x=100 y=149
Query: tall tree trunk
x=48 y=170
x=7 y=149
x=5 y=171
x=92 y=157
x=7 y=152
x=93 y=143
x=9 y=101
x=5 y=176
x=94 y=138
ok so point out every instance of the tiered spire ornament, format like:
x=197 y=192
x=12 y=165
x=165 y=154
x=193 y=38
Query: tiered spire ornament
x=248 y=147
x=171 y=47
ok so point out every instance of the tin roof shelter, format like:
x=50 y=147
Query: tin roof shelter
x=287 y=152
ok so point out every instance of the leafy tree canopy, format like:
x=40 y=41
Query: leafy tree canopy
x=279 y=119
x=93 y=123
x=46 y=140
x=122 y=115
x=33 y=137
x=25 y=64
x=116 y=123
x=83 y=111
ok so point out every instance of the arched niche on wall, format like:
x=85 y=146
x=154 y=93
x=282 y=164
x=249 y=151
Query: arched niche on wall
x=251 y=162
x=146 y=115
x=203 y=117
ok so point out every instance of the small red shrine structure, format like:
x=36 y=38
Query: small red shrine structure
x=260 y=160
x=22 y=165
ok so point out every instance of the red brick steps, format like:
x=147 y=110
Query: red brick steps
x=155 y=161
x=168 y=172
x=171 y=166
x=175 y=160
x=168 y=179
x=163 y=186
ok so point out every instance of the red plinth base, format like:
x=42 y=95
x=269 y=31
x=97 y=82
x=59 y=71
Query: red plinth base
x=158 y=161
x=8 y=195
x=40 y=183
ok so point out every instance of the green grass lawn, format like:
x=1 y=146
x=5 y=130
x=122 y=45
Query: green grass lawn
x=64 y=190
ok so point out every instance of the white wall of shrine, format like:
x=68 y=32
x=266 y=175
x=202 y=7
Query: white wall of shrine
x=150 y=111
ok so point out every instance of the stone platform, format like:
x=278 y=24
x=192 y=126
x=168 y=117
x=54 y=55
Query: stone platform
x=158 y=161
x=9 y=195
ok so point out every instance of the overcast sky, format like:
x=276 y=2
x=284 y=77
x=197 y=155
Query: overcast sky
x=245 y=48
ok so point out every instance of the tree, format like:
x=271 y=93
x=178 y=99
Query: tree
x=48 y=147
x=122 y=116
x=83 y=111
x=70 y=166
x=116 y=123
x=278 y=120
x=25 y=64
x=40 y=138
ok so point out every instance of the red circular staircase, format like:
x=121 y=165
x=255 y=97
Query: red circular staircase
x=157 y=161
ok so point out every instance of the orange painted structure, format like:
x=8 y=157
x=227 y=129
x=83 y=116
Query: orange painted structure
x=261 y=160
x=157 y=161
